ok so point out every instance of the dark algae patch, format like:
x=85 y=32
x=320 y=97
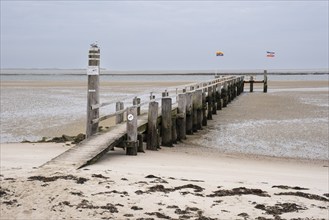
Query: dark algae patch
x=158 y=215
x=280 y=208
x=239 y=191
x=79 y=180
x=289 y=187
x=304 y=195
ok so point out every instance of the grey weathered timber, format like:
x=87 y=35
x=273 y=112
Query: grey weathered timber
x=224 y=94
x=174 y=126
x=132 y=142
x=189 y=113
x=204 y=108
x=195 y=112
x=166 y=122
x=198 y=97
x=210 y=103
x=181 y=117
x=91 y=149
x=119 y=117
x=265 y=81
x=93 y=90
x=137 y=101
x=214 y=103
x=218 y=96
x=152 y=126
x=251 y=82
x=140 y=147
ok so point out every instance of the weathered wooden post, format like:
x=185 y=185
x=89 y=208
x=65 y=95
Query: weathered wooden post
x=166 y=122
x=152 y=126
x=137 y=101
x=251 y=82
x=189 y=113
x=181 y=117
x=204 y=108
x=210 y=102
x=214 y=102
x=195 y=111
x=224 y=94
x=140 y=145
x=174 y=126
x=198 y=98
x=118 y=107
x=218 y=97
x=132 y=142
x=93 y=89
x=265 y=81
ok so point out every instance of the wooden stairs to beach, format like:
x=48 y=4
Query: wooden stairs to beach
x=91 y=149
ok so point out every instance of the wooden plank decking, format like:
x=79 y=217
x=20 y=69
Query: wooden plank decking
x=91 y=149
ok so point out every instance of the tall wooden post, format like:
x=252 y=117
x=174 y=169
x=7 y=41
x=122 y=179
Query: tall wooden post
x=152 y=127
x=209 y=99
x=181 y=117
x=119 y=117
x=137 y=101
x=198 y=98
x=195 y=111
x=251 y=81
x=166 y=122
x=218 y=97
x=93 y=89
x=132 y=142
x=189 y=113
x=214 y=97
x=204 y=108
x=265 y=81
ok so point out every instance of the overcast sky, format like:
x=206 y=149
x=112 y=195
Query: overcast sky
x=165 y=35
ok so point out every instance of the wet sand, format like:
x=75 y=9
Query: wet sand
x=196 y=179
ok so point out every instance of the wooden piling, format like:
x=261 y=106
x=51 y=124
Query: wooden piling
x=174 y=127
x=189 y=113
x=152 y=133
x=251 y=82
x=140 y=147
x=265 y=81
x=210 y=103
x=195 y=111
x=166 y=122
x=119 y=117
x=137 y=101
x=93 y=89
x=198 y=98
x=131 y=143
x=214 y=102
x=204 y=108
x=181 y=117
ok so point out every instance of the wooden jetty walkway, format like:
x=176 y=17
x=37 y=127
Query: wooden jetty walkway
x=167 y=120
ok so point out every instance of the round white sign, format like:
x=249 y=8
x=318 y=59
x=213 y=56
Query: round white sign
x=130 y=117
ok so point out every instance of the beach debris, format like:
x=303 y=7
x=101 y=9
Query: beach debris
x=280 y=208
x=152 y=176
x=85 y=204
x=99 y=176
x=244 y=215
x=239 y=191
x=161 y=188
x=124 y=193
x=305 y=195
x=77 y=193
x=79 y=180
x=136 y=208
x=158 y=215
x=326 y=195
x=289 y=187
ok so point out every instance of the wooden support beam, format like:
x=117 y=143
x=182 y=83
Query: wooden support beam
x=251 y=81
x=181 y=117
x=137 y=101
x=210 y=103
x=214 y=102
x=93 y=90
x=265 y=81
x=131 y=143
x=174 y=126
x=198 y=97
x=119 y=117
x=189 y=113
x=195 y=111
x=166 y=122
x=152 y=126
x=204 y=108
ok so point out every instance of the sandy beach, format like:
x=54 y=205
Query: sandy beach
x=265 y=156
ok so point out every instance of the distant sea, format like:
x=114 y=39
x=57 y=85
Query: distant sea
x=25 y=110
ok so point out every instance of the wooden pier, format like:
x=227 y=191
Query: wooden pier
x=165 y=121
